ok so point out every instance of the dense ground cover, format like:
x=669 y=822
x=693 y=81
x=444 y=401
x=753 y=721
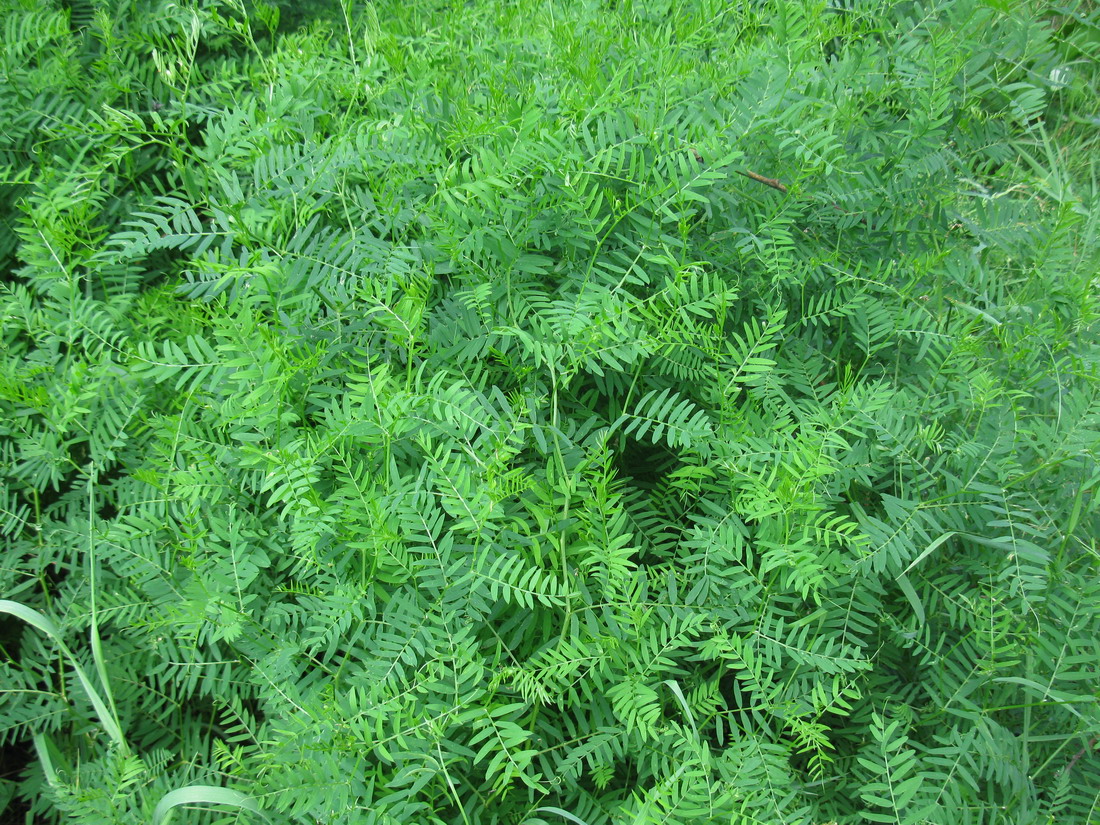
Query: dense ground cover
x=564 y=412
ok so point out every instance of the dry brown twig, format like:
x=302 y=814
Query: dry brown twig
x=772 y=182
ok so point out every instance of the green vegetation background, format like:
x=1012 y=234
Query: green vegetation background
x=584 y=412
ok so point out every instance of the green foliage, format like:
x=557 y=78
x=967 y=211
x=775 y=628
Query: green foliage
x=594 y=412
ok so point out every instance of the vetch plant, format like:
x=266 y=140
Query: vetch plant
x=536 y=412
